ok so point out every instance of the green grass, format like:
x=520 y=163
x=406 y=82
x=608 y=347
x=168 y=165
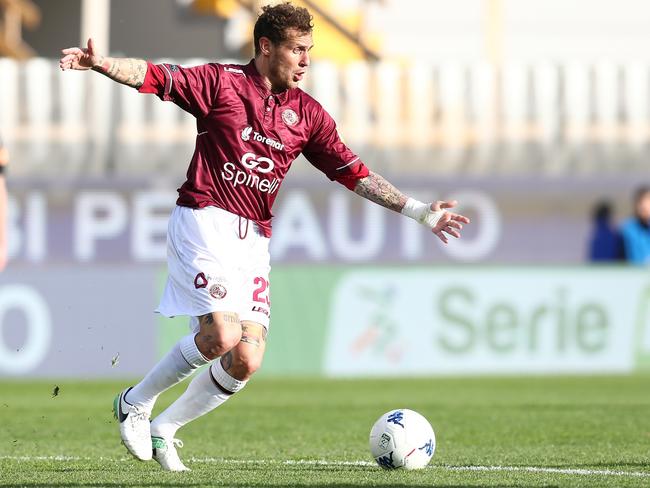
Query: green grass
x=586 y=423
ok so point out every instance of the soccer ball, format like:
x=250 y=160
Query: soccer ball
x=402 y=439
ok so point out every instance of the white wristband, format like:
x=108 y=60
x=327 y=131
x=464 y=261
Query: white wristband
x=422 y=213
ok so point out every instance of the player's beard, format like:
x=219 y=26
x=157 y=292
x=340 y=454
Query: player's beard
x=280 y=77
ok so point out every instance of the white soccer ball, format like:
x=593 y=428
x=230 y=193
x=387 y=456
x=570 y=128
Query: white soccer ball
x=402 y=439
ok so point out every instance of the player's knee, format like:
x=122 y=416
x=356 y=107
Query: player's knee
x=245 y=365
x=219 y=333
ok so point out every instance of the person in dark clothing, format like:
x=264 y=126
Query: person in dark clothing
x=606 y=243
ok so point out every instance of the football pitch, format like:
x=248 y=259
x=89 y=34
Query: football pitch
x=537 y=431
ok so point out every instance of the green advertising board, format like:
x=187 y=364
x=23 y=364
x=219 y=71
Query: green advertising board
x=411 y=321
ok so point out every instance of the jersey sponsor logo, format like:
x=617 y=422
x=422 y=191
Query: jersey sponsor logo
x=252 y=164
x=290 y=117
x=249 y=133
x=246 y=134
x=263 y=165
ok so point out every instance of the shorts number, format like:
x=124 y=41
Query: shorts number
x=259 y=292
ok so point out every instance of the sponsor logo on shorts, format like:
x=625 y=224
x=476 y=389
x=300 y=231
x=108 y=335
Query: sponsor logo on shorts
x=200 y=281
x=290 y=117
x=218 y=291
x=263 y=310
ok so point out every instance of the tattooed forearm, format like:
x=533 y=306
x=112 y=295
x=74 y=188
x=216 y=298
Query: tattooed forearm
x=376 y=189
x=128 y=71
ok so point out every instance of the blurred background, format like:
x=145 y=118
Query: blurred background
x=534 y=114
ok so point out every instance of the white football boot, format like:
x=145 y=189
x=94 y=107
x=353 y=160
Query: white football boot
x=135 y=428
x=165 y=453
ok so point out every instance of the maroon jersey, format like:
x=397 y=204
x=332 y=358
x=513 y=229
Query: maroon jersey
x=247 y=137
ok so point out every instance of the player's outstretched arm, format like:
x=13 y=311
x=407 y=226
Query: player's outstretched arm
x=436 y=216
x=128 y=71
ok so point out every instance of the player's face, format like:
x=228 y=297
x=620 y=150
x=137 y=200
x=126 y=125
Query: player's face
x=289 y=60
x=643 y=207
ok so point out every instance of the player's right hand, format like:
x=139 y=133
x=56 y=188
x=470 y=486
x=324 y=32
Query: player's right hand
x=79 y=58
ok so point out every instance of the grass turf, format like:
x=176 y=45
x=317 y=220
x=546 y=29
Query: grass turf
x=268 y=434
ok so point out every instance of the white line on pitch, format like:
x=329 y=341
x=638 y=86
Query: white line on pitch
x=535 y=469
x=322 y=462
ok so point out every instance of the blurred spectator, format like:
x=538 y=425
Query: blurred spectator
x=4 y=159
x=636 y=229
x=606 y=243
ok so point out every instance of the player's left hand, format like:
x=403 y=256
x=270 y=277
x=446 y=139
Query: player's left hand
x=449 y=223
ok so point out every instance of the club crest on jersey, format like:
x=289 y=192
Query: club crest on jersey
x=290 y=117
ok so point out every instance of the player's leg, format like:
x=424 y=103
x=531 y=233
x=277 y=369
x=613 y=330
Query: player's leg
x=219 y=332
x=210 y=389
x=195 y=285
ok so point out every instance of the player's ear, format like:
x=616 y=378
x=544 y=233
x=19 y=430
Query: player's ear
x=265 y=46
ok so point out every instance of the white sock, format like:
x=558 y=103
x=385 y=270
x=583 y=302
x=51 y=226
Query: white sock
x=177 y=365
x=205 y=393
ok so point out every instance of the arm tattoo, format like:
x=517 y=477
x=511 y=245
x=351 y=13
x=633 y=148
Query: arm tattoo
x=249 y=338
x=253 y=341
x=128 y=71
x=227 y=318
x=231 y=318
x=376 y=189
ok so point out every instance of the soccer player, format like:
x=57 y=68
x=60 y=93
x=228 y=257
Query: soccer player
x=4 y=160
x=252 y=122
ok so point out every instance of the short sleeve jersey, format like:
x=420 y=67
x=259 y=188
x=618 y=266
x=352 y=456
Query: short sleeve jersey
x=248 y=137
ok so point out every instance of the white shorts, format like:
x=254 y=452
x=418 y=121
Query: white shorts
x=218 y=262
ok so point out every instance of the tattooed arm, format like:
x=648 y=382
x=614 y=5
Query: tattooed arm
x=376 y=189
x=435 y=216
x=128 y=71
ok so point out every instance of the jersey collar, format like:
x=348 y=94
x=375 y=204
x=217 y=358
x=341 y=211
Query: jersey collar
x=260 y=84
